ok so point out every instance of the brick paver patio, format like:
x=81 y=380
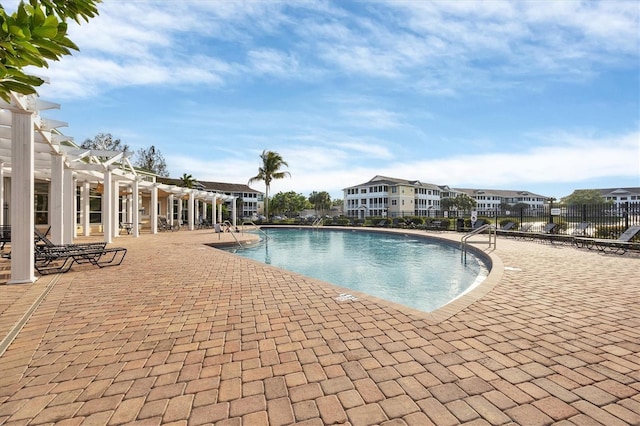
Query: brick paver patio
x=185 y=334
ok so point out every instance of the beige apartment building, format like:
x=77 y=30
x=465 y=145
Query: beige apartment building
x=384 y=196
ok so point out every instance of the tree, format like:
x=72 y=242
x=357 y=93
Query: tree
x=187 y=181
x=461 y=202
x=321 y=201
x=289 y=203
x=105 y=142
x=465 y=203
x=583 y=196
x=447 y=203
x=151 y=159
x=272 y=162
x=34 y=34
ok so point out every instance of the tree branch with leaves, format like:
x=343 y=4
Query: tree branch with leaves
x=33 y=35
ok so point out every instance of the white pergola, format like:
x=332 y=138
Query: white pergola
x=32 y=148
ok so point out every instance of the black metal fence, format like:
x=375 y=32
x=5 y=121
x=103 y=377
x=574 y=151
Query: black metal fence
x=593 y=220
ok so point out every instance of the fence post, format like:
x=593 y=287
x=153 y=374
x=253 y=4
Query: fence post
x=626 y=215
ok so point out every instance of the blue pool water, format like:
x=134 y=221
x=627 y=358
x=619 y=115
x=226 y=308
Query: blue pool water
x=416 y=272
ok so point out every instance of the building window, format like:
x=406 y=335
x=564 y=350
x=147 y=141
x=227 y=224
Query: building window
x=95 y=206
x=41 y=203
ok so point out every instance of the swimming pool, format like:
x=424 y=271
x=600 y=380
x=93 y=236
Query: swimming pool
x=417 y=272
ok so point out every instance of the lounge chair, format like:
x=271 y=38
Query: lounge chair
x=42 y=240
x=508 y=226
x=523 y=232
x=60 y=258
x=435 y=225
x=5 y=235
x=478 y=223
x=581 y=228
x=549 y=228
x=619 y=246
x=164 y=225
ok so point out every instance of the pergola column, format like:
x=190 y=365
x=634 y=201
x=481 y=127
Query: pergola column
x=170 y=199
x=56 y=199
x=154 y=209
x=86 y=208
x=213 y=210
x=1 y=193
x=190 y=210
x=107 y=210
x=22 y=195
x=116 y=208
x=234 y=218
x=135 y=212
x=69 y=206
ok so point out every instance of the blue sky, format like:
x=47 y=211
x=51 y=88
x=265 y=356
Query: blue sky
x=541 y=96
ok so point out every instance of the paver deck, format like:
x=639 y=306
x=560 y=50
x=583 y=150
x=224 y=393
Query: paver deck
x=185 y=334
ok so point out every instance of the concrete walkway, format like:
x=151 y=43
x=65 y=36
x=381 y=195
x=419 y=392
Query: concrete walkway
x=185 y=334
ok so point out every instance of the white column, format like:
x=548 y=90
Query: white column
x=180 y=210
x=170 y=209
x=56 y=199
x=86 y=208
x=214 y=210
x=135 y=212
x=154 y=209
x=220 y=211
x=116 y=208
x=69 y=206
x=22 y=193
x=75 y=207
x=107 y=209
x=1 y=193
x=234 y=218
x=190 y=208
x=130 y=206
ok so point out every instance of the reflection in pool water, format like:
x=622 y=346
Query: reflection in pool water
x=417 y=272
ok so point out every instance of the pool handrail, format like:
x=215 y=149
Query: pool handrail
x=250 y=222
x=463 y=241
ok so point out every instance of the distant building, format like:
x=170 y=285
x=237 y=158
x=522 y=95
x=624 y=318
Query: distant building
x=384 y=196
x=621 y=196
x=490 y=200
x=252 y=200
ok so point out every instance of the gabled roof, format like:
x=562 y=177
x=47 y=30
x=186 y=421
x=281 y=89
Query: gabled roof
x=619 y=191
x=378 y=179
x=503 y=193
x=212 y=186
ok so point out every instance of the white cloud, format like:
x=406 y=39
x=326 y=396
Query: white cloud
x=569 y=159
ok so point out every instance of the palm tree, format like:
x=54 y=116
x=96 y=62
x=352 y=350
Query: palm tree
x=271 y=164
x=187 y=181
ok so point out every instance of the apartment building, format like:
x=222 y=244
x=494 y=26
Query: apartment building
x=492 y=200
x=621 y=196
x=384 y=196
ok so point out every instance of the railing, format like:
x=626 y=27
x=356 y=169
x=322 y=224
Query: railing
x=229 y=226
x=249 y=222
x=318 y=222
x=479 y=230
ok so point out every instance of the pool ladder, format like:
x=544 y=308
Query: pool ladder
x=465 y=237
x=318 y=222
x=249 y=222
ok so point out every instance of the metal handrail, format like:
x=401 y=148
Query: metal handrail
x=233 y=234
x=465 y=237
x=318 y=222
x=250 y=222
